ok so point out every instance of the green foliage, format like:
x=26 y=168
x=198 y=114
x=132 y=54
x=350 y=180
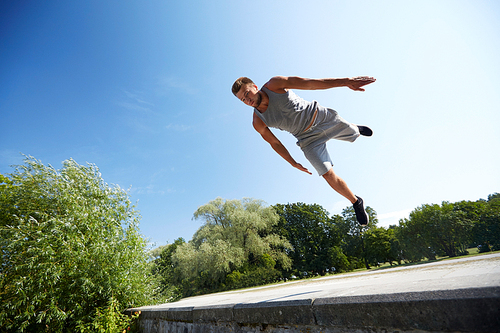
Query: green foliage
x=236 y=236
x=70 y=244
x=353 y=236
x=453 y=230
x=337 y=259
x=377 y=246
x=494 y=196
x=109 y=319
x=396 y=251
x=416 y=236
x=435 y=230
x=486 y=232
x=450 y=229
x=163 y=269
x=260 y=271
x=313 y=237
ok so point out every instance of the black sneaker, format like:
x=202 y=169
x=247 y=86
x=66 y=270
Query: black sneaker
x=364 y=130
x=359 y=209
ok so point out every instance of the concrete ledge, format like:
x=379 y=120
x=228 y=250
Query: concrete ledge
x=171 y=314
x=276 y=313
x=467 y=310
x=214 y=314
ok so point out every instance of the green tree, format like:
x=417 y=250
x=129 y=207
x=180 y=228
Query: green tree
x=396 y=251
x=353 y=236
x=415 y=234
x=433 y=230
x=237 y=236
x=471 y=210
x=377 y=246
x=486 y=232
x=448 y=229
x=494 y=196
x=315 y=240
x=69 y=245
x=452 y=230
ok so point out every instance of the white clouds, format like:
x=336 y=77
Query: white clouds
x=393 y=218
x=135 y=107
x=169 y=83
x=178 y=127
x=137 y=98
x=136 y=102
x=148 y=112
x=152 y=189
x=339 y=205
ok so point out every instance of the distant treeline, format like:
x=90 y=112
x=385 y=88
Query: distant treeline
x=245 y=243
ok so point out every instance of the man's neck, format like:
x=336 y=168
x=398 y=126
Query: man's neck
x=264 y=103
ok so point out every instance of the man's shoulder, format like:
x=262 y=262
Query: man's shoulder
x=277 y=84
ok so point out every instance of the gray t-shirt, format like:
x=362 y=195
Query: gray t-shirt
x=287 y=112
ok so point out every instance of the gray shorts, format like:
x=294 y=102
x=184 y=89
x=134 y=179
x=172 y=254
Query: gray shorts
x=313 y=141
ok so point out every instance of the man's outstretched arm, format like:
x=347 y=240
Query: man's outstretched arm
x=275 y=143
x=282 y=83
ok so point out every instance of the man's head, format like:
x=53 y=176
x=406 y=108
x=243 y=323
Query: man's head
x=247 y=91
x=239 y=83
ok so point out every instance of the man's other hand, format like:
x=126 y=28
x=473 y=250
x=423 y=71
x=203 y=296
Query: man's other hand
x=301 y=168
x=355 y=83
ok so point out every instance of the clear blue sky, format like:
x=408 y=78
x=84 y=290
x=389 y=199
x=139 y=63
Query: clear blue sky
x=142 y=90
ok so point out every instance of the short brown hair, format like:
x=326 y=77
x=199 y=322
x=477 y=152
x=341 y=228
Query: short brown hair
x=239 y=83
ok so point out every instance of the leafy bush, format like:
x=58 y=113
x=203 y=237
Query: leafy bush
x=69 y=245
x=110 y=319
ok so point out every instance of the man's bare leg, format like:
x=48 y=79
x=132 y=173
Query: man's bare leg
x=339 y=185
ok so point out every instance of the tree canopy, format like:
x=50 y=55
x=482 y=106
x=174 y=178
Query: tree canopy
x=235 y=241
x=314 y=238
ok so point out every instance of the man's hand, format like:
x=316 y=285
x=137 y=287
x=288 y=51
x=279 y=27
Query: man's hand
x=357 y=82
x=301 y=168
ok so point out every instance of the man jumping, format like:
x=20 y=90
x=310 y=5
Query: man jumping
x=275 y=105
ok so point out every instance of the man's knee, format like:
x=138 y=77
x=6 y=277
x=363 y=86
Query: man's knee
x=330 y=174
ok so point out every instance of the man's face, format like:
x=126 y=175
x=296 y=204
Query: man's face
x=250 y=95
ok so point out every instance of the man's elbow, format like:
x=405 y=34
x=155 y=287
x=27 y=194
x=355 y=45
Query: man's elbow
x=275 y=145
